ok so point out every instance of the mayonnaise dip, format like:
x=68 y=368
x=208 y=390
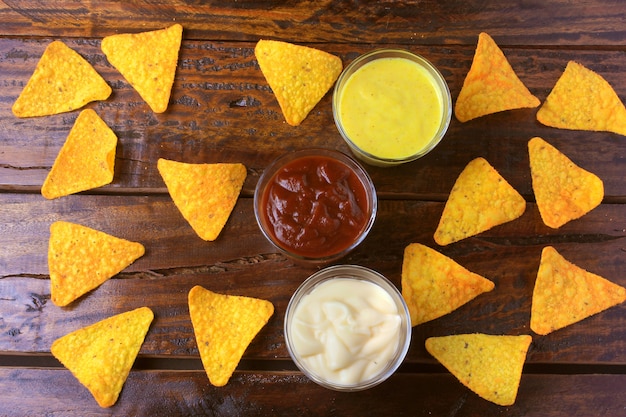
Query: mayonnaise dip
x=346 y=330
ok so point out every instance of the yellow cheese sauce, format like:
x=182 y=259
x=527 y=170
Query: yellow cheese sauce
x=391 y=108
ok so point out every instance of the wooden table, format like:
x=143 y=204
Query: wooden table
x=222 y=110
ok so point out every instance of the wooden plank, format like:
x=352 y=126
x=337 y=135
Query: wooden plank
x=146 y=393
x=407 y=23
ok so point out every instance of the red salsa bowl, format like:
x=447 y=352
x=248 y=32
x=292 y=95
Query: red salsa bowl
x=315 y=204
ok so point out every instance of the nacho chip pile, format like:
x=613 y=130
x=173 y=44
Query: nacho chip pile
x=480 y=200
x=101 y=356
x=224 y=326
x=62 y=81
x=434 y=285
x=205 y=194
x=491 y=85
x=298 y=75
x=489 y=365
x=563 y=190
x=86 y=159
x=583 y=100
x=81 y=259
x=148 y=61
x=565 y=294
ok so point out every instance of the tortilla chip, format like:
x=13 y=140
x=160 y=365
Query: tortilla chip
x=480 y=199
x=491 y=85
x=434 y=285
x=583 y=100
x=205 y=194
x=62 y=81
x=565 y=294
x=299 y=76
x=81 y=258
x=101 y=356
x=563 y=190
x=148 y=61
x=489 y=365
x=85 y=161
x=224 y=326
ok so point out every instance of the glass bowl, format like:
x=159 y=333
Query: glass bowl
x=391 y=106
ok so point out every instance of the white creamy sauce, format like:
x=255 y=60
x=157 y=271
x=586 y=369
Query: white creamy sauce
x=346 y=330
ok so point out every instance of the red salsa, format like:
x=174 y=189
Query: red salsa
x=315 y=206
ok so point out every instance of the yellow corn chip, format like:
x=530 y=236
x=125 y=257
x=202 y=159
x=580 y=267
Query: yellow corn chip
x=491 y=85
x=489 y=365
x=205 y=194
x=563 y=190
x=85 y=161
x=148 y=61
x=81 y=258
x=583 y=100
x=101 y=356
x=224 y=326
x=62 y=81
x=434 y=285
x=298 y=75
x=565 y=294
x=479 y=200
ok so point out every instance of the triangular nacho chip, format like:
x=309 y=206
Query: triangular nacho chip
x=583 y=100
x=479 y=200
x=148 y=61
x=489 y=365
x=298 y=75
x=205 y=194
x=434 y=285
x=565 y=294
x=563 y=190
x=491 y=85
x=63 y=81
x=101 y=356
x=224 y=326
x=81 y=258
x=86 y=159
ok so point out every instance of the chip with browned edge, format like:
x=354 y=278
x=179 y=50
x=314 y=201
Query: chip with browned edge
x=583 y=100
x=86 y=159
x=298 y=75
x=491 y=85
x=434 y=285
x=205 y=194
x=101 y=355
x=148 y=61
x=224 y=326
x=480 y=199
x=489 y=365
x=563 y=190
x=80 y=259
x=62 y=81
x=565 y=294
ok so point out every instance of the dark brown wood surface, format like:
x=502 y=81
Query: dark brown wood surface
x=222 y=110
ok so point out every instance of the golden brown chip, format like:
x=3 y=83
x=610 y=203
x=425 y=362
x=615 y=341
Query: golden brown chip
x=224 y=326
x=480 y=199
x=565 y=294
x=298 y=75
x=86 y=159
x=489 y=365
x=563 y=190
x=583 y=100
x=81 y=258
x=62 y=81
x=205 y=194
x=434 y=285
x=491 y=85
x=101 y=356
x=148 y=61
